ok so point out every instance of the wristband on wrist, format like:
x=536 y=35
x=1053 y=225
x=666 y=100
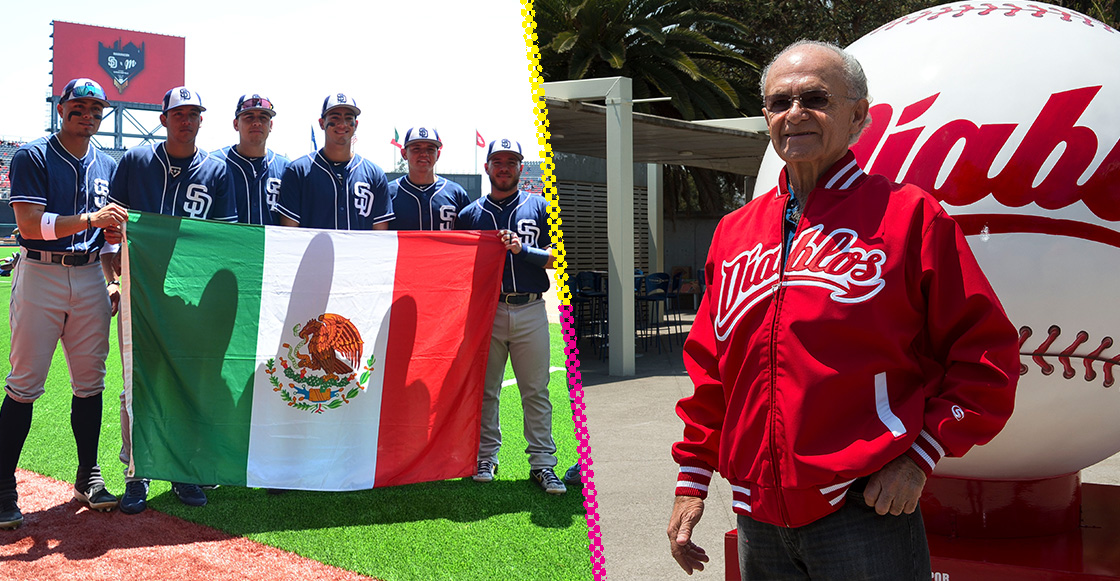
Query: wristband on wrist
x=89 y=223
x=536 y=256
x=116 y=282
x=46 y=226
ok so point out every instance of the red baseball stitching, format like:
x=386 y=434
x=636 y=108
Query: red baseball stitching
x=1008 y=9
x=1043 y=350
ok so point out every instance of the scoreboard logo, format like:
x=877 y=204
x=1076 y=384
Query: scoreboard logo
x=121 y=63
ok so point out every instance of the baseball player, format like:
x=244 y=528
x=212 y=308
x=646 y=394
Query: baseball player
x=422 y=200
x=59 y=290
x=333 y=188
x=254 y=170
x=520 y=325
x=178 y=179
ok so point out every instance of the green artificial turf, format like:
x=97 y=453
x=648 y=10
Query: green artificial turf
x=455 y=529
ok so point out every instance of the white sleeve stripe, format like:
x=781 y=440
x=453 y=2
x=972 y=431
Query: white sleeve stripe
x=741 y=490
x=688 y=484
x=923 y=454
x=693 y=470
x=932 y=442
x=836 y=487
x=742 y=505
x=883 y=407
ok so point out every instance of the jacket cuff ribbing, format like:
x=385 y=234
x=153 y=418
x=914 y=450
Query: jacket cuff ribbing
x=926 y=452
x=693 y=481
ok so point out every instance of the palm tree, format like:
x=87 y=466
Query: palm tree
x=669 y=48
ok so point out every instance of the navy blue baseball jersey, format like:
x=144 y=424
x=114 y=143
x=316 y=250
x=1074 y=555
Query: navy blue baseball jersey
x=527 y=216
x=432 y=207
x=256 y=184
x=44 y=173
x=149 y=181
x=319 y=193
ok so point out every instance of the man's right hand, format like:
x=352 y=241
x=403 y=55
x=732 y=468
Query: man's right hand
x=687 y=511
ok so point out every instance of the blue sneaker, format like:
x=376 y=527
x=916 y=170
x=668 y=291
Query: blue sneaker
x=189 y=494
x=135 y=498
x=572 y=476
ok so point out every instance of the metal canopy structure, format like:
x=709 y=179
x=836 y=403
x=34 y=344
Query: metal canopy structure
x=731 y=145
x=613 y=132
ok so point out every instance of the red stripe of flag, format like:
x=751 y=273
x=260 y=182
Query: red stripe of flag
x=436 y=357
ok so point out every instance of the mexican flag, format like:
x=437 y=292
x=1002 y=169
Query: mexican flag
x=304 y=359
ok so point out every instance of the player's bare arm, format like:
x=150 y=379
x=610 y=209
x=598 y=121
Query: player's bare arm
x=687 y=511
x=112 y=281
x=286 y=221
x=29 y=219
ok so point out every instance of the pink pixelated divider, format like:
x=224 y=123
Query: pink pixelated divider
x=575 y=388
x=575 y=384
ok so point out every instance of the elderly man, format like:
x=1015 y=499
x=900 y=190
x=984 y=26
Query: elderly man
x=848 y=342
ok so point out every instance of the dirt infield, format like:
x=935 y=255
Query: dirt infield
x=61 y=540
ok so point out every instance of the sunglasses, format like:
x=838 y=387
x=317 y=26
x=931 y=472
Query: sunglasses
x=815 y=100
x=86 y=91
x=256 y=102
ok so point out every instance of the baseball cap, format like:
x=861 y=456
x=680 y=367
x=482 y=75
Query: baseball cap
x=339 y=100
x=181 y=96
x=422 y=134
x=254 y=102
x=83 y=88
x=500 y=145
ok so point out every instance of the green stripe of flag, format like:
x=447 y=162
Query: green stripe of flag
x=183 y=279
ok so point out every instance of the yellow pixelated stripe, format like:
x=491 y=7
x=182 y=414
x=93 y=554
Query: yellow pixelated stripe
x=547 y=165
x=575 y=384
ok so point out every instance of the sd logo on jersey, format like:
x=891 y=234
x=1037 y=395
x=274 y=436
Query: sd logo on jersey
x=333 y=347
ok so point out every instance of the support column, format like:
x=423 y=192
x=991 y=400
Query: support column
x=620 y=233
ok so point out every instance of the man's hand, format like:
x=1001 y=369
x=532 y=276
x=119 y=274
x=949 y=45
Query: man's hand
x=896 y=488
x=108 y=215
x=511 y=240
x=687 y=511
x=114 y=290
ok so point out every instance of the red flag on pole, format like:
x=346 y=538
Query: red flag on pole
x=478 y=140
x=394 y=141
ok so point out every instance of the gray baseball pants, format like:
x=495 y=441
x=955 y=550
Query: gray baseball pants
x=521 y=335
x=49 y=303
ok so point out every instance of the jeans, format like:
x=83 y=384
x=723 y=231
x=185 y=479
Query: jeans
x=852 y=543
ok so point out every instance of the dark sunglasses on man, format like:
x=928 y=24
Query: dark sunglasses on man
x=814 y=100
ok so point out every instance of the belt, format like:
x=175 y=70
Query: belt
x=518 y=298
x=63 y=258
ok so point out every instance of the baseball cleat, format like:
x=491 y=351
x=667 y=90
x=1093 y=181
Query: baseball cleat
x=96 y=498
x=189 y=494
x=10 y=516
x=548 y=481
x=135 y=498
x=89 y=489
x=486 y=471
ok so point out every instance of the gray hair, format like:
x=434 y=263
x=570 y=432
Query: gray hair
x=853 y=73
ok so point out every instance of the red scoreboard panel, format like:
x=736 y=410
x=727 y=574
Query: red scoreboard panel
x=134 y=67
